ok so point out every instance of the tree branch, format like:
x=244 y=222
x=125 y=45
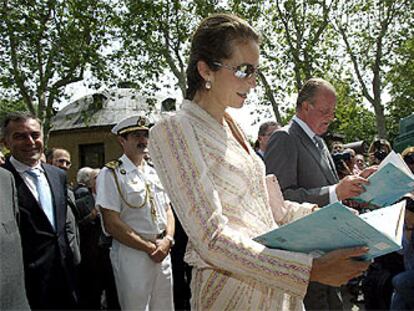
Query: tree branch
x=296 y=58
x=318 y=33
x=17 y=74
x=269 y=94
x=355 y=65
x=68 y=78
x=170 y=60
x=43 y=74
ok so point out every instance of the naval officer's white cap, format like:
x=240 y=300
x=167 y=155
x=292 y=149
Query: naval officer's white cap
x=130 y=124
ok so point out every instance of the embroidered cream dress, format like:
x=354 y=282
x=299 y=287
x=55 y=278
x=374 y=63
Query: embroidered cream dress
x=218 y=190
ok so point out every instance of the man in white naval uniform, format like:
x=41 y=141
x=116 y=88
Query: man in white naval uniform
x=137 y=213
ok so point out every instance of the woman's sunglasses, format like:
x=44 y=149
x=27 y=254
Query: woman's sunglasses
x=244 y=71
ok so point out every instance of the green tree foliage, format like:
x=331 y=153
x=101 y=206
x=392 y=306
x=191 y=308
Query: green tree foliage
x=371 y=31
x=7 y=106
x=305 y=37
x=401 y=78
x=50 y=44
x=352 y=118
x=298 y=43
x=47 y=45
x=154 y=39
x=255 y=12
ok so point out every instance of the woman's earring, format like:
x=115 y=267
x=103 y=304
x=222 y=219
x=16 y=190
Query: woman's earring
x=208 y=85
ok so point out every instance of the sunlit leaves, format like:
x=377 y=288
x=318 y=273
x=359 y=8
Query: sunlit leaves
x=48 y=45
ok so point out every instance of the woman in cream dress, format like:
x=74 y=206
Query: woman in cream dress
x=218 y=188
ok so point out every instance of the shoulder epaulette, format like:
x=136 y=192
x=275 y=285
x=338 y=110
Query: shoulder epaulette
x=114 y=164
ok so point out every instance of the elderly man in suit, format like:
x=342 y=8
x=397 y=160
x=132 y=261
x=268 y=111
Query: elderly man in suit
x=41 y=193
x=12 y=291
x=60 y=158
x=300 y=159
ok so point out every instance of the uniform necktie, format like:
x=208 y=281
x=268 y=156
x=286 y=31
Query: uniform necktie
x=44 y=193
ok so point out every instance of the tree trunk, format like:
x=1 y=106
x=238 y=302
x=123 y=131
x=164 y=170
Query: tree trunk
x=270 y=97
x=379 y=117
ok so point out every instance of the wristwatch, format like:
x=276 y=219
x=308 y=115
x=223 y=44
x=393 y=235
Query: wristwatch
x=171 y=239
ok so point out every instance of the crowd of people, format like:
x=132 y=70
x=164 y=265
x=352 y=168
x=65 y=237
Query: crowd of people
x=117 y=239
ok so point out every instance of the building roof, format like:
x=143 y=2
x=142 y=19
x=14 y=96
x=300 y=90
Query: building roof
x=104 y=109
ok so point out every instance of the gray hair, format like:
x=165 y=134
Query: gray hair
x=264 y=126
x=84 y=175
x=18 y=116
x=310 y=89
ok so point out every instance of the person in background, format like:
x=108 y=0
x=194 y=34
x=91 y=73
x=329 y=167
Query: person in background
x=59 y=157
x=147 y=157
x=360 y=164
x=350 y=161
x=138 y=215
x=403 y=283
x=377 y=283
x=218 y=188
x=378 y=150
x=12 y=288
x=42 y=199
x=95 y=270
x=408 y=156
x=86 y=188
x=266 y=129
x=337 y=147
x=344 y=162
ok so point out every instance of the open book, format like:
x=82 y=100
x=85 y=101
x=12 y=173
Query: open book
x=335 y=226
x=392 y=181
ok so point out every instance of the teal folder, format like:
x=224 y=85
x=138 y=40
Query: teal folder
x=387 y=185
x=335 y=226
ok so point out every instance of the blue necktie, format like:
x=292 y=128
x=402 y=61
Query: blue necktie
x=45 y=196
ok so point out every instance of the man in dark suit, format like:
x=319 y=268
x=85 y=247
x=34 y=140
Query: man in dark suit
x=41 y=192
x=266 y=130
x=300 y=159
x=12 y=290
x=61 y=158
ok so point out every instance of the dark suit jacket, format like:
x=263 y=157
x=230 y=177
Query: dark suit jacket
x=12 y=289
x=303 y=174
x=47 y=257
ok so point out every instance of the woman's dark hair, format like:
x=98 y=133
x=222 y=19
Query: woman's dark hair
x=379 y=143
x=213 y=41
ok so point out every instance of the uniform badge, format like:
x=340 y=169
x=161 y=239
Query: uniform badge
x=141 y=121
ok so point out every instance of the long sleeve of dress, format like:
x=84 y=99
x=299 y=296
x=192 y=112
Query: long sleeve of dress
x=176 y=152
x=285 y=211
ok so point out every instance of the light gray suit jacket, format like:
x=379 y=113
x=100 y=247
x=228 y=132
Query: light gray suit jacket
x=12 y=289
x=303 y=173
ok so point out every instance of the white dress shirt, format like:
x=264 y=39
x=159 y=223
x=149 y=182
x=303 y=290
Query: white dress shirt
x=21 y=168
